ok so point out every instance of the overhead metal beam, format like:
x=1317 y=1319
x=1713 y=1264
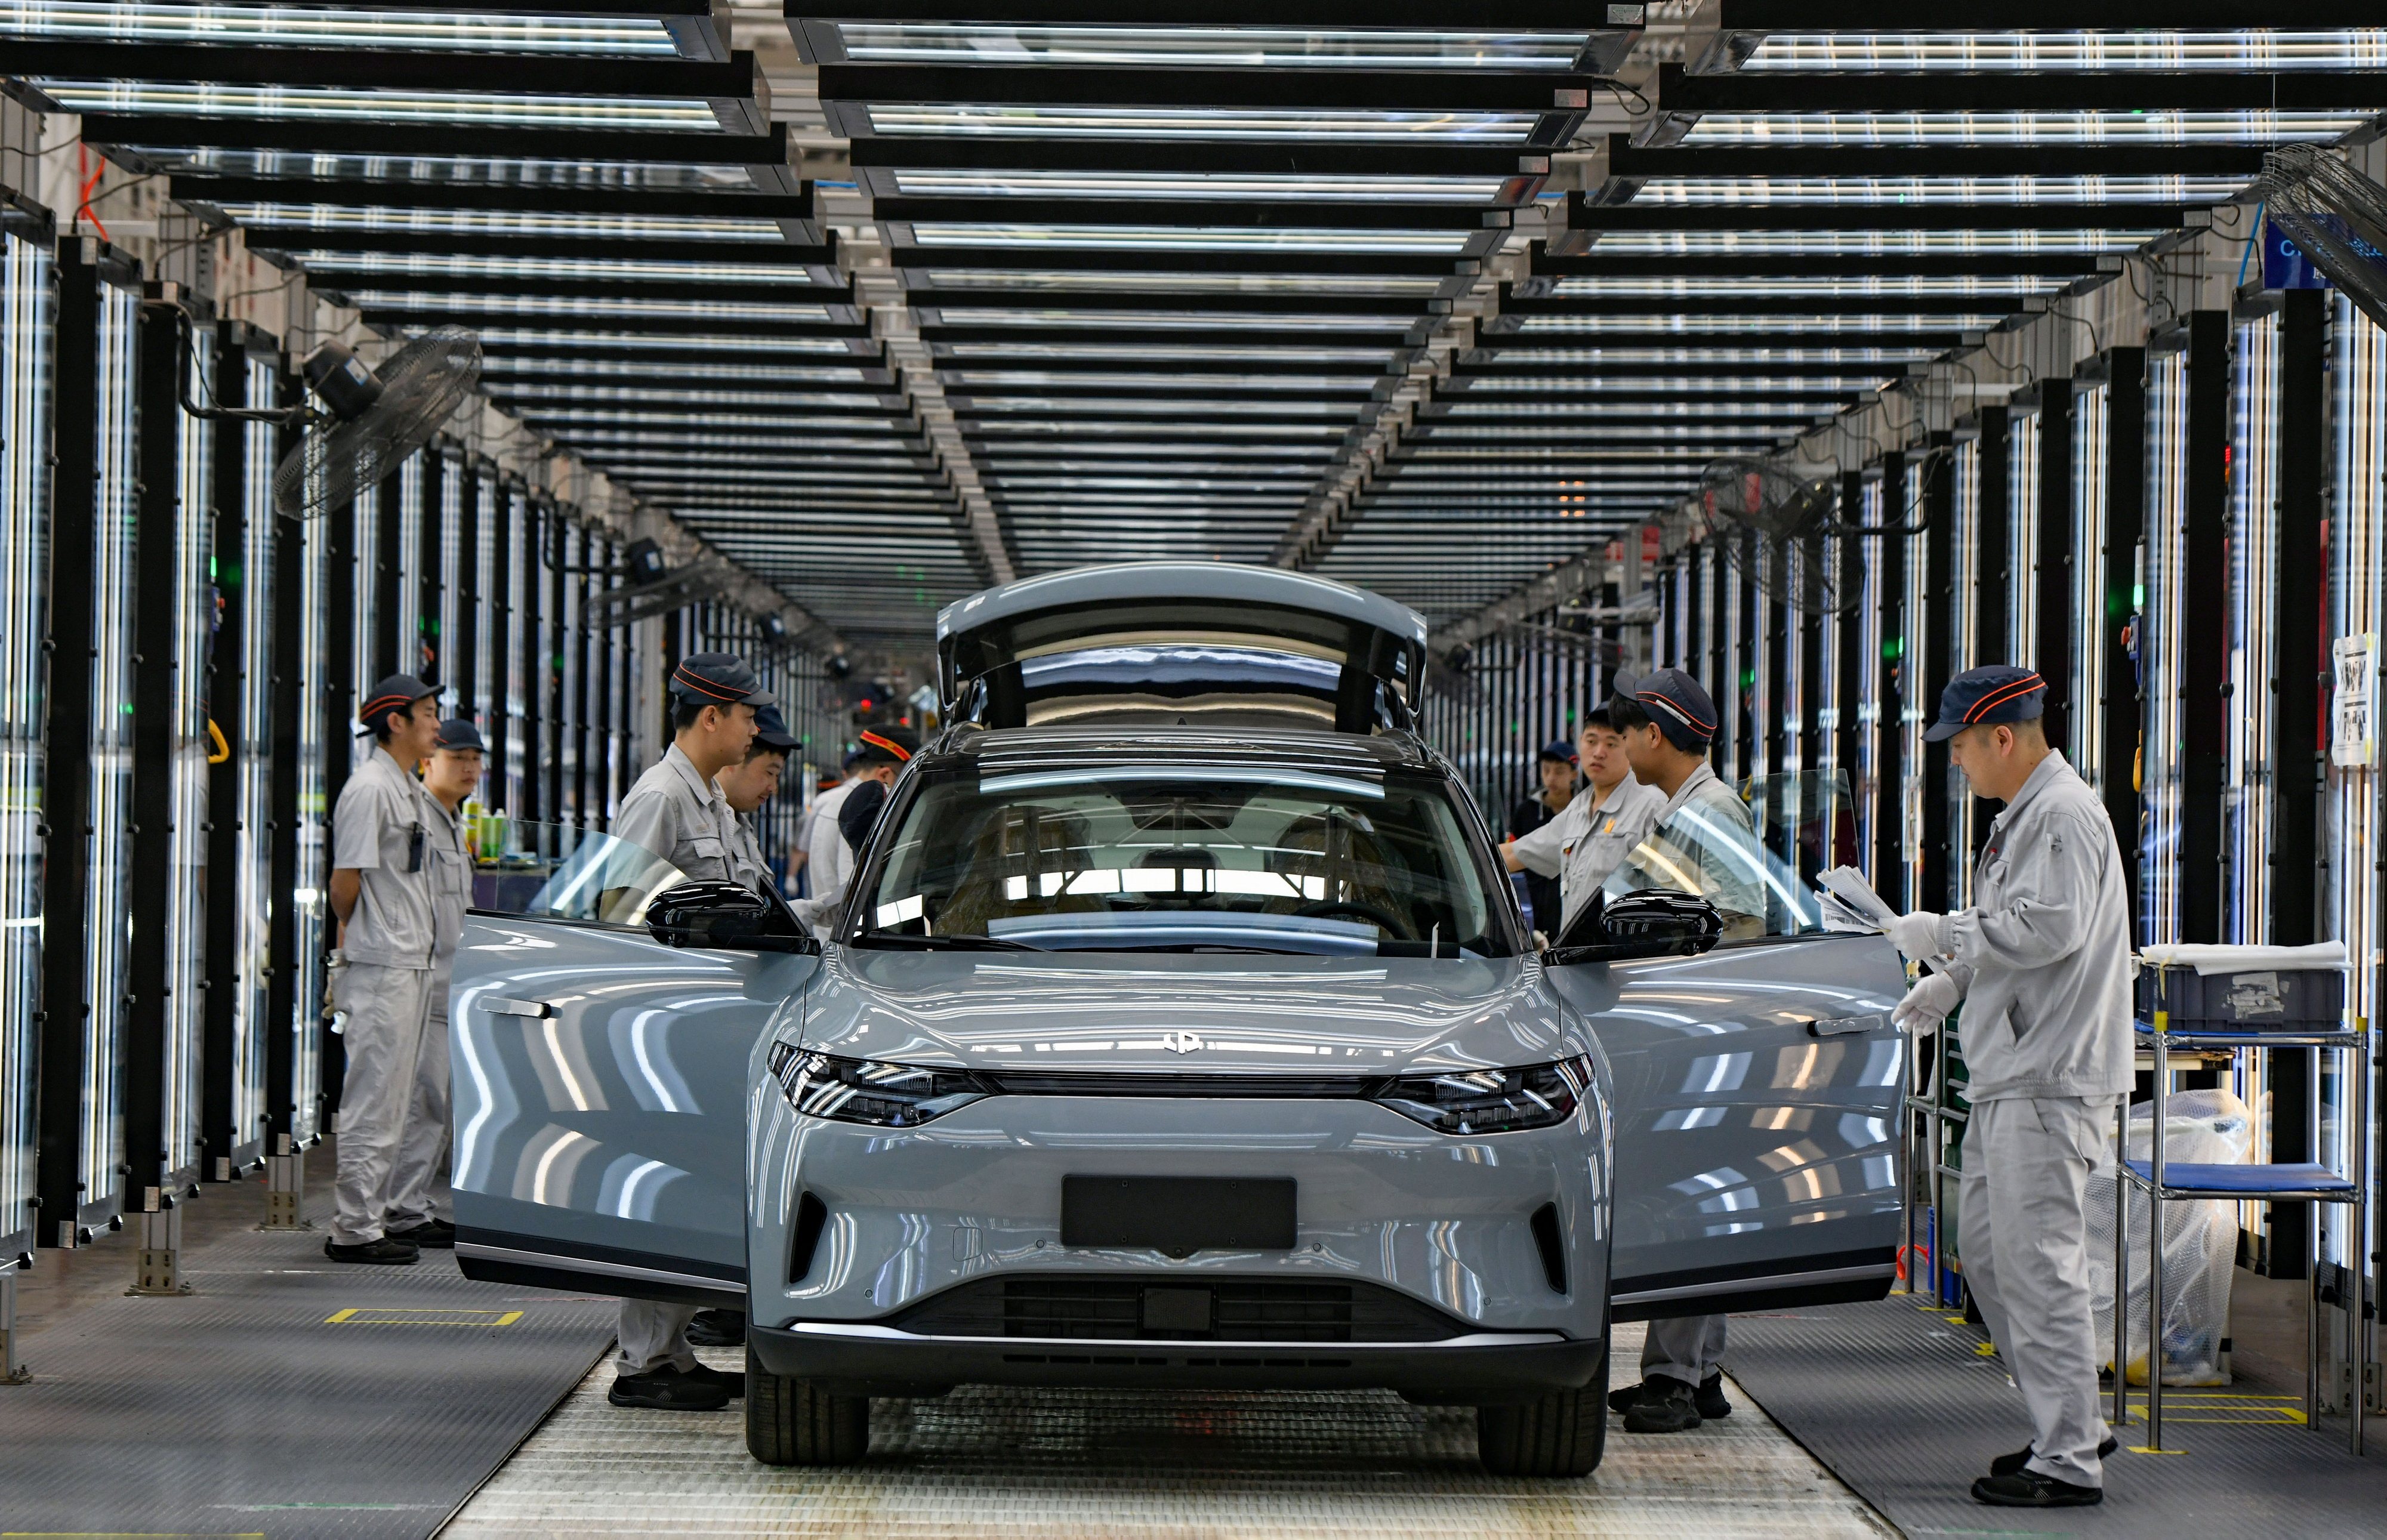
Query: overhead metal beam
x=1640 y=162
x=1167 y=336
x=931 y=300
x=423 y=69
x=2040 y=15
x=508 y=196
x=439 y=142
x=1384 y=213
x=2024 y=90
x=1097 y=260
x=1195 y=156
x=1506 y=343
x=1487 y=15
x=1371 y=90
x=1734 y=265
x=1516 y=310
x=1596 y=219
x=794 y=255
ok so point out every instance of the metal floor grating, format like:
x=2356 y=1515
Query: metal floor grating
x=1898 y=1399
x=248 y=1408
x=1308 y=1466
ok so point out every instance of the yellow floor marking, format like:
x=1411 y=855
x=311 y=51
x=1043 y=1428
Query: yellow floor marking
x=2142 y=1449
x=422 y=1318
x=1985 y=1350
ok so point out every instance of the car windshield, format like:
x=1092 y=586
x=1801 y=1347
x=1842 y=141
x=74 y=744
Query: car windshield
x=1159 y=858
x=1719 y=845
x=562 y=872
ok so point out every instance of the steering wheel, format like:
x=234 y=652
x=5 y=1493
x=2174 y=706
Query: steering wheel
x=1368 y=911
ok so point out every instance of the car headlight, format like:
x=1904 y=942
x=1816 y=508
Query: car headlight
x=1490 y=1101
x=867 y=1090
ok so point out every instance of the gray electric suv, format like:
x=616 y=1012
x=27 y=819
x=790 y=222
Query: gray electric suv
x=1179 y=1030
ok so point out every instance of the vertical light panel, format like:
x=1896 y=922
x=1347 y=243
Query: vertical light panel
x=2351 y=816
x=2160 y=621
x=318 y=738
x=192 y=552
x=2091 y=415
x=1963 y=648
x=410 y=617
x=253 y=896
x=2253 y=579
x=1917 y=704
x=108 y=847
x=2022 y=538
x=1865 y=774
x=27 y=318
x=366 y=623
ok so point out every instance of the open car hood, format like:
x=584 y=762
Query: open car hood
x=1182 y=1014
x=1181 y=643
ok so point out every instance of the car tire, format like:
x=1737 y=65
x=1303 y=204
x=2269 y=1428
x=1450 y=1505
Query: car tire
x=796 y=1422
x=1558 y=1435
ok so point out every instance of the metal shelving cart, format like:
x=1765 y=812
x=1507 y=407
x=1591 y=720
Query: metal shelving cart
x=2304 y=1181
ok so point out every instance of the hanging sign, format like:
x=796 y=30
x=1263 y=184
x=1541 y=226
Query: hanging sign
x=2354 y=714
x=2285 y=266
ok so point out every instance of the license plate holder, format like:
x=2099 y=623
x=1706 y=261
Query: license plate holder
x=1180 y=1215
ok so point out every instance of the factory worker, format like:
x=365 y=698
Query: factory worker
x=1608 y=816
x=1701 y=841
x=2042 y=965
x=678 y=811
x=418 y=1182
x=382 y=891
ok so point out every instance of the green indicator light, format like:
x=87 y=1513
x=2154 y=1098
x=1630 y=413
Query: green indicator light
x=2138 y=596
x=1894 y=648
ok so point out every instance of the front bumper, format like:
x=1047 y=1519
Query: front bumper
x=1478 y=1369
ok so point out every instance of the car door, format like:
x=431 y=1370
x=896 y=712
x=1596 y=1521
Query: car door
x=601 y=1081
x=1756 y=1108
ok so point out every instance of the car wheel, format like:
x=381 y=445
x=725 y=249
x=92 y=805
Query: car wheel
x=796 y=1422
x=1558 y=1435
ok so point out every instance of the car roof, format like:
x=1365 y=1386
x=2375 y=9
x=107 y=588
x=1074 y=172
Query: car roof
x=1013 y=748
x=1230 y=585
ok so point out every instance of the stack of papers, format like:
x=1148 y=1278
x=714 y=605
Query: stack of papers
x=1849 y=903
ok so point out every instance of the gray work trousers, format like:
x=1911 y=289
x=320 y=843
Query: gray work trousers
x=385 y=1035
x=2026 y=1257
x=1683 y=1347
x=653 y=1334
x=418 y=1182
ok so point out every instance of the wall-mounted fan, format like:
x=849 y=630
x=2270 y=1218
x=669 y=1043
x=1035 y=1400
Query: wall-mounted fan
x=367 y=420
x=2336 y=214
x=1784 y=525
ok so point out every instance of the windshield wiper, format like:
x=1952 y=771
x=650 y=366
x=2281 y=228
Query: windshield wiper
x=944 y=943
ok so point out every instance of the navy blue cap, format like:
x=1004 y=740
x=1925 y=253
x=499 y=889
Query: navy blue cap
x=719 y=679
x=771 y=730
x=1559 y=749
x=1999 y=692
x=1672 y=699
x=458 y=733
x=396 y=693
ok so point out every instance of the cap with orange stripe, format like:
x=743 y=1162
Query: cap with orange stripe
x=1982 y=696
x=1677 y=703
x=885 y=746
x=395 y=693
x=719 y=679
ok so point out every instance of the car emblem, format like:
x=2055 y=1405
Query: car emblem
x=1179 y=1043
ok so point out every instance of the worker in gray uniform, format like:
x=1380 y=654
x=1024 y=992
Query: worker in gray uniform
x=1606 y=817
x=2042 y=965
x=678 y=811
x=418 y=1182
x=1700 y=838
x=382 y=891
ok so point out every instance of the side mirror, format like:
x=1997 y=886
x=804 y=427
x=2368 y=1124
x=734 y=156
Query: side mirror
x=724 y=917
x=1653 y=922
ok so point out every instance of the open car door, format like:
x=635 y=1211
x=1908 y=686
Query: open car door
x=601 y=1079
x=1758 y=1091
x=1181 y=643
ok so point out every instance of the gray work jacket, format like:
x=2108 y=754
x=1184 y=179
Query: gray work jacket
x=382 y=830
x=1585 y=843
x=683 y=817
x=2043 y=956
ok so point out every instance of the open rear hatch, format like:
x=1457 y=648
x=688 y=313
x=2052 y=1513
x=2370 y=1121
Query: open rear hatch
x=1194 y=643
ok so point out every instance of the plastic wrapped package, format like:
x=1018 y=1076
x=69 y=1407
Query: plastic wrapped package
x=2210 y=1128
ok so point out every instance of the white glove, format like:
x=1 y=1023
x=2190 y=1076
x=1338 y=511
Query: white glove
x=1917 y=935
x=1926 y=1005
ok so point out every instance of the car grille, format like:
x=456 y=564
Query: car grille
x=1119 y=1309
x=1020 y=1082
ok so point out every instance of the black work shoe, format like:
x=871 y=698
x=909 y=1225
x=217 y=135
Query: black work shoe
x=389 y=1251
x=1663 y=1406
x=2030 y=1489
x=731 y=1380
x=437 y=1233
x=2006 y=1465
x=717 y=1329
x=1710 y=1399
x=667 y=1389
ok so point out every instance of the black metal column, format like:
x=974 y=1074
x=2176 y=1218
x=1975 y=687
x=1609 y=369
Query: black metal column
x=226 y=696
x=65 y=738
x=2300 y=655
x=503 y=533
x=391 y=651
x=431 y=661
x=1743 y=682
x=465 y=647
x=285 y=1012
x=1848 y=674
x=1814 y=836
x=148 y=967
x=2203 y=653
x=2126 y=518
x=1993 y=627
x=1888 y=731
x=341 y=747
x=1932 y=644
x=2052 y=581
